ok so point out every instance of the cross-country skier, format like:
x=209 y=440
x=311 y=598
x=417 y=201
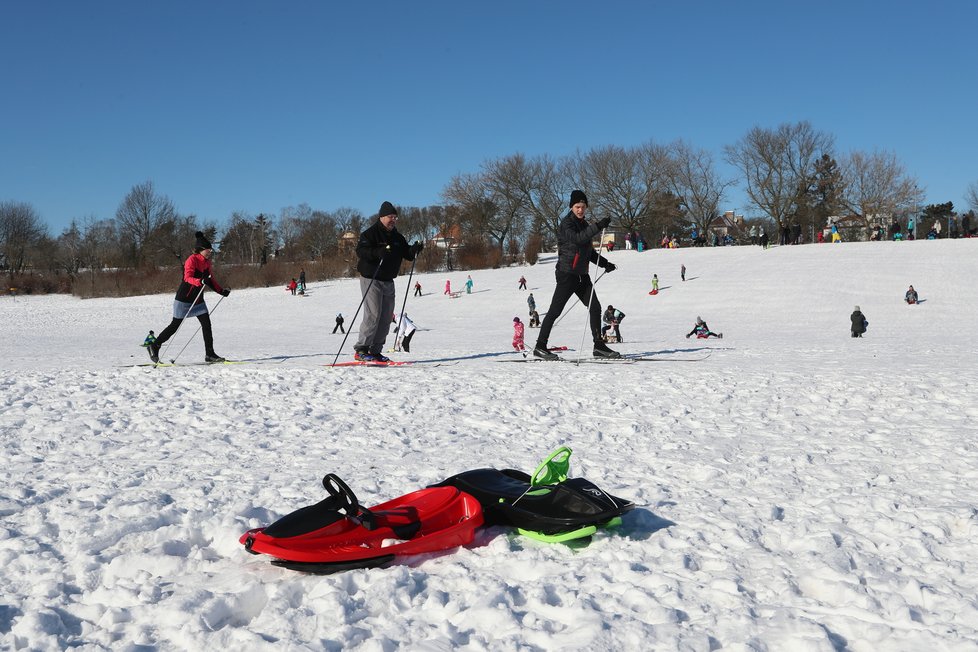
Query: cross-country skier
x=380 y=250
x=574 y=253
x=189 y=300
x=522 y=285
x=339 y=323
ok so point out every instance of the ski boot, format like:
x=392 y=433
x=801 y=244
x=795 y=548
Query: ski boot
x=601 y=350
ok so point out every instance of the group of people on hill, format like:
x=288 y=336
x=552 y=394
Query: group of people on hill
x=380 y=250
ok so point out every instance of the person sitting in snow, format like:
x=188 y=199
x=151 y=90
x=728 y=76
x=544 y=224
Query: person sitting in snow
x=149 y=339
x=702 y=331
x=612 y=320
x=534 y=319
x=911 y=296
x=859 y=322
x=518 y=343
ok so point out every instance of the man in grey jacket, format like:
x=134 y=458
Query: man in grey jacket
x=574 y=252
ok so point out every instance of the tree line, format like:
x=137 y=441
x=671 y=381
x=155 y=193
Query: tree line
x=508 y=210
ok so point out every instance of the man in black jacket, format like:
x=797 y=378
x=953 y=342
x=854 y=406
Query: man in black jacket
x=574 y=252
x=380 y=250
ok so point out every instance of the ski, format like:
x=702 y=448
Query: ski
x=584 y=361
x=182 y=364
x=370 y=363
x=649 y=359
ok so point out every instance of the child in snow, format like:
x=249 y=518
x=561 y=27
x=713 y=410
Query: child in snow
x=911 y=296
x=612 y=320
x=468 y=285
x=518 y=336
x=522 y=283
x=405 y=331
x=417 y=289
x=339 y=323
x=531 y=302
x=448 y=287
x=682 y=272
x=534 y=319
x=859 y=322
x=655 y=283
x=149 y=339
x=702 y=331
x=292 y=286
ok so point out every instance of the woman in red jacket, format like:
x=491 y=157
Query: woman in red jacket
x=189 y=301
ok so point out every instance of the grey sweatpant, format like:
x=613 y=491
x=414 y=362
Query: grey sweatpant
x=378 y=310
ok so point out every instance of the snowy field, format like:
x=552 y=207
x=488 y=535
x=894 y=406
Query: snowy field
x=799 y=489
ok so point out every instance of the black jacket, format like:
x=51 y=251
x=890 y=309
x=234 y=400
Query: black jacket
x=858 y=322
x=372 y=248
x=574 y=248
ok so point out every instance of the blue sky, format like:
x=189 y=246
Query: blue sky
x=254 y=106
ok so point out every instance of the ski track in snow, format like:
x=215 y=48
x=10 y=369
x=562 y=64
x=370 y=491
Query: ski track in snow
x=797 y=490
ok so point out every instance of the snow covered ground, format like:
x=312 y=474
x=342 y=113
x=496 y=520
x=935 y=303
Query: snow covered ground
x=799 y=489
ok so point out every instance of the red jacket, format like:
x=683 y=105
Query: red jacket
x=196 y=271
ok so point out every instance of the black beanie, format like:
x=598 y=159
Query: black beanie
x=577 y=196
x=202 y=241
x=386 y=209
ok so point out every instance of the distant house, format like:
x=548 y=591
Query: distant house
x=449 y=238
x=348 y=241
x=727 y=224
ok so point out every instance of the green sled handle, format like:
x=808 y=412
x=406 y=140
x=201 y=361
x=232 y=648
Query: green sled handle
x=554 y=469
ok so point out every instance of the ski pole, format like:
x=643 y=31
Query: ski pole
x=590 y=298
x=397 y=344
x=199 y=326
x=187 y=314
x=364 y=298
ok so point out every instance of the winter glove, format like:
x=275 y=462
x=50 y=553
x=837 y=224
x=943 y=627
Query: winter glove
x=603 y=223
x=200 y=274
x=687 y=336
x=416 y=248
x=610 y=267
x=225 y=292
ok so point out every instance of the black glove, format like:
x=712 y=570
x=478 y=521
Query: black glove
x=416 y=248
x=610 y=267
x=687 y=336
x=603 y=223
x=225 y=292
x=200 y=274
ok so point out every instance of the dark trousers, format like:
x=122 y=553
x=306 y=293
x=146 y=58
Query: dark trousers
x=569 y=285
x=339 y=325
x=417 y=292
x=205 y=327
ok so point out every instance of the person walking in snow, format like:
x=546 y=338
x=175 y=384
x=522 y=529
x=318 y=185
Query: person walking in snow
x=339 y=323
x=468 y=285
x=380 y=250
x=448 y=287
x=302 y=281
x=522 y=283
x=531 y=302
x=417 y=288
x=574 y=253
x=682 y=272
x=859 y=322
x=911 y=296
x=189 y=300
x=292 y=286
x=405 y=331
x=702 y=331
x=518 y=343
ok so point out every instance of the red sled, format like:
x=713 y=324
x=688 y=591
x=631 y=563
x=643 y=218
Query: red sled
x=654 y=292
x=339 y=534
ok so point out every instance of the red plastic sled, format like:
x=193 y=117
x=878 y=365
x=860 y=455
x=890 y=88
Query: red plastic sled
x=339 y=534
x=653 y=292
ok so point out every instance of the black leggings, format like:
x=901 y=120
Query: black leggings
x=205 y=327
x=567 y=286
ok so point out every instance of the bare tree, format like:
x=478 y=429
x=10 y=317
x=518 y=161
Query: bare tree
x=694 y=179
x=140 y=215
x=20 y=232
x=624 y=183
x=878 y=188
x=971 y=195
x=544 y=189
x=778 y=167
